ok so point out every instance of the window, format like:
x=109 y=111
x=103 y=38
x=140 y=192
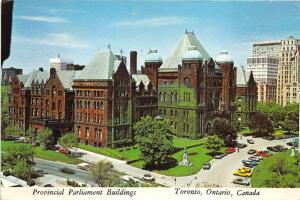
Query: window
x=165 y=83
x=87 y=132
x=160 y=97
x=187 y=81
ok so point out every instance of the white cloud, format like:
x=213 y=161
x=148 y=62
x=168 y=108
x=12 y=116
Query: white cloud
x=155 y=21
x=64 y=40
x=46 y=19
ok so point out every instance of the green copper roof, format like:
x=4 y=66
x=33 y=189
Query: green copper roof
x=101 y=67
x=188 y=39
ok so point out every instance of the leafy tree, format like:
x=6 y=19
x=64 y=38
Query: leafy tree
x=69 y=140
x=290 y=125
x=30 y=133
x=22 y=169
x=12 y=130
x=4 y=108
x=46 y=138
x=103 y=173
x=261 y=124
x=224 y=130
x=154 y=138
x=15 y=157
x=214 y=143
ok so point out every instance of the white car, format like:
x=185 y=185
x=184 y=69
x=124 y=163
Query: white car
x=148 y=177
x=83 y=166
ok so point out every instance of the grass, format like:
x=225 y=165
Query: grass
x=184 y=142
x=246 y=131
x=278 y=132
x=43 y=154
x=114 y=153
x=262 y=172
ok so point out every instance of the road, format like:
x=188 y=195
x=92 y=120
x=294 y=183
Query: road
x=220 y=173
x=53 y=168
x=221 y=170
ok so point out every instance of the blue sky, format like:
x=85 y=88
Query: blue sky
x=76 y=29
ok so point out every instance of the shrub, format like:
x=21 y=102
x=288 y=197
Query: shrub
x=6 y=173
x=31 y=182
x=67 y=170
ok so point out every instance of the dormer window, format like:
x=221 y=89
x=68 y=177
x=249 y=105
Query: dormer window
x=187 y=81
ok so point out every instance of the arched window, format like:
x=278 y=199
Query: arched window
x=160 y=96
x=187 y=81
x=175 y=97
x=165 y=94
x=172 y=97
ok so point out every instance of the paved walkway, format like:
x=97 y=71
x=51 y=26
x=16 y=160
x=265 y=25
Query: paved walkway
x=220 y=173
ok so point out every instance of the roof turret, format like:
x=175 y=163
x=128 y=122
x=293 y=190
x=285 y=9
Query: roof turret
x=224 y=57
x=153 y=56
x=192 y=54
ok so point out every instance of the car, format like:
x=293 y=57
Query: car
x=244 y=169
x=148 y=177
x=63 y=150
x=254 y=158
x=241 y=145
x=83 y=166
x=251 y=151
x=219 y=156
x=230 y=150
x=249 y=163
x=280 y=148
x=241 y=181
x=243 y=174
x=272 y=148
x=206 y=166
x=263 y=153
x=250 y=141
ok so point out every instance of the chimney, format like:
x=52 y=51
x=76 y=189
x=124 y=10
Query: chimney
x=52 y=71
x=133 y=62
x=41 y=69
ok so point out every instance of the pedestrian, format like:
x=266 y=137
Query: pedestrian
x=238 y=149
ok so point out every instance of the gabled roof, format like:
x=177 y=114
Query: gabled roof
x=242 y=76
x=100 y=67
x=188 y=39
x=141 y=78
x=66 y=77
x=36 y=76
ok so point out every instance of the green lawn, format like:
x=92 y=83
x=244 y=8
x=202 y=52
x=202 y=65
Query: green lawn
x=184 y=142
x=43 y=154
x=262 y=172
x=114 y=153
x=278 y=133
x=246 y=131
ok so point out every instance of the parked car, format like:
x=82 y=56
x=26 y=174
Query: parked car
x=263 y=153
x=83 y=166
x=277 y=148
x=207 y=166
x=254 y=158
x=250 y=141
x=230 y=150
x=219 y=156
x=272 y=148
x=251 y=151
x=148 y=177
x=63 y=150
x=249 y=163
x=241 y=181
x=243 y=174
x=241 y=145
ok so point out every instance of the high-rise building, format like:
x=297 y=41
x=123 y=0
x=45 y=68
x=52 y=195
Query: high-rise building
x=264 y=65
x=288 y=72
x=59 y=63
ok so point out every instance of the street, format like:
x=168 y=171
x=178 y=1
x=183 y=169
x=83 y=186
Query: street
x=53 y=168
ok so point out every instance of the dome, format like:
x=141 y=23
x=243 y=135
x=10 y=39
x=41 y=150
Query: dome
x=153 y=56
x=192 y=54
x=224 y=57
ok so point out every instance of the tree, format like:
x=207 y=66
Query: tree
x=31 y=134
x=224 y=130
x=68 y=140
x=154 y=138
x=46 y=138
x=290 y=125
x=22 y=169
x=12 y=130
x=4 y=108
x=15 y=157
x=214 y=143
x=103 y=173
x=261 y=124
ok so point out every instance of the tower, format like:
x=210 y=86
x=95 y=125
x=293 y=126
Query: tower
x=225 y=61
x=152 y=63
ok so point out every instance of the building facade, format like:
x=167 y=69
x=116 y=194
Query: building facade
x=246 y=97
x=264 y=65
x=8 y=74
x=288 y=72
x=102 y=102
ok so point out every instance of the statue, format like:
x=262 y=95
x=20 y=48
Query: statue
x=185 y=161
